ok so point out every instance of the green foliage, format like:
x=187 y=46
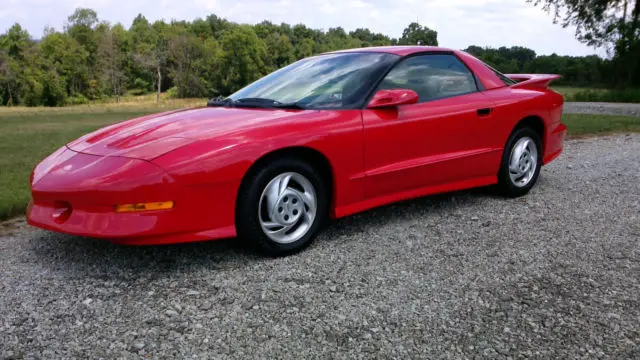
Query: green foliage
x=53 y=90
x=616 y=95
x=416 y=34
x=94 y=60
x=80 y=26
x=242 y=59
x=136 y=92
x=173 y=93
x=141 y=84
x=77 y=100
x=16 y=41
x=575 y=70
x=614 y=24
x=597 y=22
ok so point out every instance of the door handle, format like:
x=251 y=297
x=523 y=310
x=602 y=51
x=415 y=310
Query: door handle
x=484 y=112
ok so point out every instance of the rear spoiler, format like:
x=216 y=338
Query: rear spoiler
x=532 y=81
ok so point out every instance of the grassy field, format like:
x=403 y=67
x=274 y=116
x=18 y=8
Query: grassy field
x=583 y=94
x=569 y=92
x=27 y=135
x=592 y=125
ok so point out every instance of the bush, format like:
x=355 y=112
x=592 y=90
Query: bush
x=32 y=93
x=139 y=83
x=173 y=93
x=615 y=95
x=54 y=91
x=137 y=92
x=77 y=100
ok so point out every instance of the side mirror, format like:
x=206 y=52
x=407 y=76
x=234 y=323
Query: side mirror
x=393 y=97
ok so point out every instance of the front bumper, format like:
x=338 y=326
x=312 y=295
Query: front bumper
x=76 y=193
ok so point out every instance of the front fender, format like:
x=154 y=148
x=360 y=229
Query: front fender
x=208 y=161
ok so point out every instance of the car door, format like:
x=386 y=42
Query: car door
x=441 y=140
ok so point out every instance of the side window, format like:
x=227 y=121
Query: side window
x=433 y=76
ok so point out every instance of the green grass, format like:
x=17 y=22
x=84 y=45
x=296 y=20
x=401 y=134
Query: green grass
x=28 y=135
x=570 y=92
x=584 y=94
x=589 y=125
x=611 y=96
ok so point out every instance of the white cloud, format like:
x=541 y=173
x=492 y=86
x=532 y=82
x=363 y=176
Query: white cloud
x=459 y=22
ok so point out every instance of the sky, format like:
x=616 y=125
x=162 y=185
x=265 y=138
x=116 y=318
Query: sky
x=459 y=23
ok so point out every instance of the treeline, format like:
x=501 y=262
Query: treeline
x=92 y=59
x=591 y=71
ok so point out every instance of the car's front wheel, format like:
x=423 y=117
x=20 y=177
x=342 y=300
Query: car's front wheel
x=281 y=207
x=521 y=162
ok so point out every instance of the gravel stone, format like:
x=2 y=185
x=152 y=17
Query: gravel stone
x=554 y=274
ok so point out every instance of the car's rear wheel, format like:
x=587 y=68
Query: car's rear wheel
x=521 y=162
x=281 y=207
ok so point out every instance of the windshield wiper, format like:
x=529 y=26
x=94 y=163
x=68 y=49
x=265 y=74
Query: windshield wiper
x=253 y=102
x=292 y=106
x=266 y=103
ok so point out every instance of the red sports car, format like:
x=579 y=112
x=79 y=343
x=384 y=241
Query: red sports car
x=325 y=137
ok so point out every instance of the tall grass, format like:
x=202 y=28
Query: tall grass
x=615 y=96
x=583 y=94
x=126 y=103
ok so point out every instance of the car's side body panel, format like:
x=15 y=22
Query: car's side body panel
x=428 y=144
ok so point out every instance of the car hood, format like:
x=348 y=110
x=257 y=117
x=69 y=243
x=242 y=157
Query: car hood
x=154 y=135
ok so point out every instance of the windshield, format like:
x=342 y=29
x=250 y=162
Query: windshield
x=326 y=81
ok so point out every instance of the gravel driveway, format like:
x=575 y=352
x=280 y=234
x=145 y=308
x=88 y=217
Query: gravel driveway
x=555 y=274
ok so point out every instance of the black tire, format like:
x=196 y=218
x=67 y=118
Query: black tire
x=506 y=186
x=248 y=225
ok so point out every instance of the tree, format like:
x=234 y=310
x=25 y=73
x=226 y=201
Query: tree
x=368 y=38
x=280 y=51
x=80 y=26
x=614 y=24
x=150 y=44
x=416 y=34
x=64 y=55
x=208 y=68
x=111 y=61
x=16 y=41
x=218 y=25
x=7 y=79
x=597 y=22
x=242 y=59
x=53 y=89
x=14 y=48
x=90 y=59
x=266 y=28
x=184 y=50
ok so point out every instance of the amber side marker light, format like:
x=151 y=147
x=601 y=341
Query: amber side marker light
x=164 y=205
